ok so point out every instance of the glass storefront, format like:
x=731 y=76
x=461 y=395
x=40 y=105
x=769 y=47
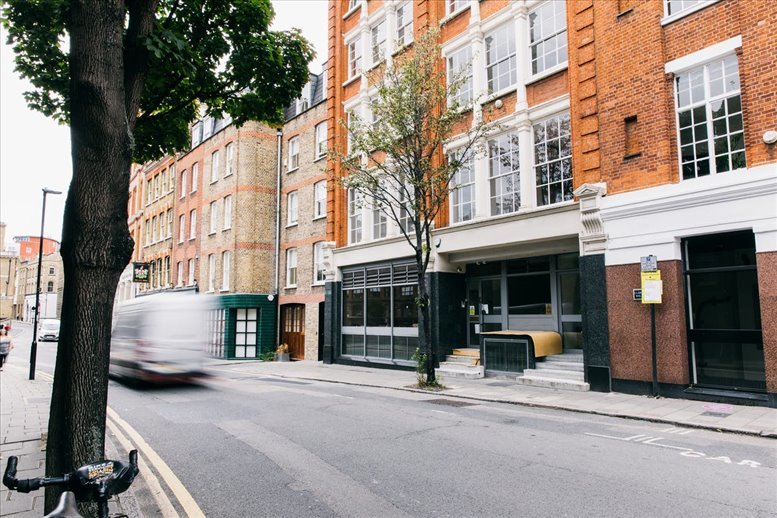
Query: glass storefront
x=724 y=314
x=380 y=317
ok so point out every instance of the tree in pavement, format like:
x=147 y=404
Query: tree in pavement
x=393 y=159
x=129 y=76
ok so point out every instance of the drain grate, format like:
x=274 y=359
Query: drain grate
x=449 y=402
x=715 y=414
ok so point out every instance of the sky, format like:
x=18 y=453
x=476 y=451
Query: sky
x=35 y=150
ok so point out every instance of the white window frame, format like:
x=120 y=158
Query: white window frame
x=291 y=268
x=195 y=176
x=215 y=158
x=229 y=166
x=169 y=223
x=321 y=140
x=154 y=226
x=497 y=178
x=227 y=212
x=319 y=269
x=292 y=208
x=460 y=183
x=557 y=163
x=180 y=274
x=211 y=273
x=293 y=155
x=691 y=6
x=319 y=199
x=703 y=72
x=213 y=218
x=184 y=175
x=558 y=36
x=506 y=30
x=454 y=6
x=182 y=228
x=354 y=53
x=378 y=41
x=455 y=62
x=191 y=272
x=355 y=217
x=404 y=34
x=171 y=178
x=226 y=269
x=192 y=224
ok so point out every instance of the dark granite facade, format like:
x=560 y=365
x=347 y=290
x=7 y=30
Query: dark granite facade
x=331 y=321
x=596 y=340
x=449 y=318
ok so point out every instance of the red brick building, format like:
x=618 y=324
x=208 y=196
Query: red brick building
x=627 y=129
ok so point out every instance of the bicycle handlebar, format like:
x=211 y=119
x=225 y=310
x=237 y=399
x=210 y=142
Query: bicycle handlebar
x=93 y=482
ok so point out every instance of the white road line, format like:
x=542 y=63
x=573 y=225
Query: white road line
x=166 y=508
x=181 y=494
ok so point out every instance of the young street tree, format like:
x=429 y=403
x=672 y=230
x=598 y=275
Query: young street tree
x=395 y=161
x=129 y=76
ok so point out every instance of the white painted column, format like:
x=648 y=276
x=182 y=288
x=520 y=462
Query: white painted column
x=528 y=178
x=391 y=32
x=521 y=21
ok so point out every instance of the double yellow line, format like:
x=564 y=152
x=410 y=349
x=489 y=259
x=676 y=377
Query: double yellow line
x=128 y=438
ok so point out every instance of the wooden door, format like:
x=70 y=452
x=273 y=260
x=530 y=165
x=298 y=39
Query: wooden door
x=293 y=329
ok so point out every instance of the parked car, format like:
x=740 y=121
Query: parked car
x=160 y=338
x=48 y=330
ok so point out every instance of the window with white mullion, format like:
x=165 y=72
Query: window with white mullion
x=674 y=7
x=291 y=267
x=553 y=160
x=404 y=24
x=379 y=217
x=709 y=119
x=453 y=6
x=459 y=64
x=354 y=217
x=501 y=61
x=406 y=210
x=504 y=173
x=354 y=58
x=319 y=199
x=378 y=42
x=463 y=189
x=548 y=36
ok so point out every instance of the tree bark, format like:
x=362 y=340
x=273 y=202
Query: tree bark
x=96 y=245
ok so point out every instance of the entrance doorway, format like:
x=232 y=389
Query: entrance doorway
x=724 y=314
x=293 y=329
x=484 y=308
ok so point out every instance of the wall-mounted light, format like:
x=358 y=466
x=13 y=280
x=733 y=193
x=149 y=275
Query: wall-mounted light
x=770 y=137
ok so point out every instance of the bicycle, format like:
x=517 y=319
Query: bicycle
x=97 y=482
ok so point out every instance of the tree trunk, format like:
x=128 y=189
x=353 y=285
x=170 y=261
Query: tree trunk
x=96 y=245
x=424 y=324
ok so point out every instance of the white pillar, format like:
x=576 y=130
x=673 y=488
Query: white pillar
x=521 y=22
x=528 y=178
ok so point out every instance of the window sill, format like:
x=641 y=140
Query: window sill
x=214 y=181
x=401 y=48
x=223 y=290
x=319 y=283
x=225 y=229
x=632 y=155
x=228 y=175
x=682 y=14
x=547 y=73
x=454 y=14
x=319 y=217
x=319 y=158
x=292 y=225
x=497 y=95
x=352 y=79
x=192 y=238
x=290 y=287
x=352 y=10
x=212 y=233
x=292 y=170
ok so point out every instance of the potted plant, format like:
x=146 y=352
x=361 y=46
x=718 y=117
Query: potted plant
x=282 y=353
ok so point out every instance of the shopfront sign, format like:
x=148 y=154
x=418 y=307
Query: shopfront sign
x=141 y=272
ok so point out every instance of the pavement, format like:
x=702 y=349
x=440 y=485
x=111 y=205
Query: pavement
x=24 y=409
x=24 y=418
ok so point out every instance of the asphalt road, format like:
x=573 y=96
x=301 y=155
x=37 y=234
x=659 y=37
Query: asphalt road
x=266 y=446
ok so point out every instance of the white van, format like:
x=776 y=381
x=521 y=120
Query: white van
x=48 y=329
x=161 y=338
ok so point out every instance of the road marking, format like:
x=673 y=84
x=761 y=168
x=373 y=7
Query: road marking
x=685 y=452
x=678 y=431
x=155 y=488
x=181 y=494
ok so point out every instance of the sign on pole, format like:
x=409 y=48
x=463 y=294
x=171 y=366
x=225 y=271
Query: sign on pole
x=652 y=287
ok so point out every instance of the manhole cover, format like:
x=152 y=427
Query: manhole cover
x=716 y=414
x=449 y=402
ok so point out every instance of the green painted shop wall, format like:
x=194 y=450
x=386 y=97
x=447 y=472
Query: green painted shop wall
x=265 y=327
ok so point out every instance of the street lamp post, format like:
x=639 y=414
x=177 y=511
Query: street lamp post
x=34 y=349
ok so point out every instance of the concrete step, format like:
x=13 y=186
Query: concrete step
x=554 y=374
x=459 y=370
x=465 y=360
x=560 y=365
x=579 y=386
